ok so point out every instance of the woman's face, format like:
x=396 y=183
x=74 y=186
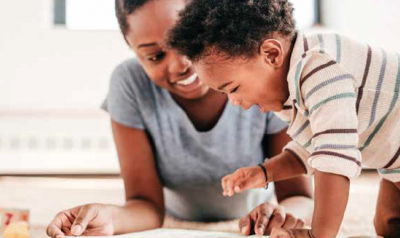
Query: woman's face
x=148 y=27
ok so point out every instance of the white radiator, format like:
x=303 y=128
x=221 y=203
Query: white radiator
x=57 y=142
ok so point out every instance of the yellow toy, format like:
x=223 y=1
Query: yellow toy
x=19 y=229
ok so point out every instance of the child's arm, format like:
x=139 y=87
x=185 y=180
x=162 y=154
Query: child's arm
x=280 y=167
x=331 y=195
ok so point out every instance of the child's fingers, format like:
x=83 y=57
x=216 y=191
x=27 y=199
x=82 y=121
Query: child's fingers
x=224 y=180
x=249 y=183
x=224 y=183
x=230 y=185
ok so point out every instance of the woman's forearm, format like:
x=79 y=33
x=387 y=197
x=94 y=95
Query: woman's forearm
x=136 y=215
x=300 y=206
x=331 y=196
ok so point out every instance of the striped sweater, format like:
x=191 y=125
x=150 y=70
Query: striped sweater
x=344 y=108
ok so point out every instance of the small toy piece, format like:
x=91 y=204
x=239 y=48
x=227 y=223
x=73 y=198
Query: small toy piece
x=8 y=216
x=18 y=229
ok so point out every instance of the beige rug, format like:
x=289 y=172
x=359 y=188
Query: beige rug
x=46 y=196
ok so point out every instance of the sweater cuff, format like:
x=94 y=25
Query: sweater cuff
x=301 y=154
x=337 y=165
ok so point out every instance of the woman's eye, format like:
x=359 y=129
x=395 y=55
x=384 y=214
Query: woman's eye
x=156 y=57
x=234 y=90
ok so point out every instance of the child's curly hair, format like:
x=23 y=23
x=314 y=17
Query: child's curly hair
x=233 y=27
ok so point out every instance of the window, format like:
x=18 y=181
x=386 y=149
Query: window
x=306 y=13
x=85 y=14
x=100 y=14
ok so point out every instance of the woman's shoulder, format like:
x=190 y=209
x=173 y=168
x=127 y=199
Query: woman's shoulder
x=130 y=71
x=131 y=77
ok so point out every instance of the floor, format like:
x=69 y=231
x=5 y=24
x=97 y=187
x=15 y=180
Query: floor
x=45 y=196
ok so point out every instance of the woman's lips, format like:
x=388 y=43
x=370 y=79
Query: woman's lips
x=188 y=80
x=190 y=84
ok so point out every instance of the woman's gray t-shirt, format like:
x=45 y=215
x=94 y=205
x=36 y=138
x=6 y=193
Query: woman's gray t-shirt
x=191 y=163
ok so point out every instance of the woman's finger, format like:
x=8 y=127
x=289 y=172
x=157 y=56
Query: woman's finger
x=299 y=224
x=54 y=231
x=262 y=222
x=280 y=233
x=86 y=214
x=290 y=221
x=56 y=225
x=277 y=219
x=245 y=225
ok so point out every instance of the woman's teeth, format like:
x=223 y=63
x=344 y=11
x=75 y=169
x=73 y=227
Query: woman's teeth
x=188 y=81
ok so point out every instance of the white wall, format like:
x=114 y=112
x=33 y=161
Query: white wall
x=372 y=21
x=52 y=82
x=43 y=67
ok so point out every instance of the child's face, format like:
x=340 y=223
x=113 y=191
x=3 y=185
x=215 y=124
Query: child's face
x=247 y=82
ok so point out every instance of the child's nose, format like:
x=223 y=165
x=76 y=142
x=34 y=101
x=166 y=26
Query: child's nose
x=179 y=64
x=234 y=101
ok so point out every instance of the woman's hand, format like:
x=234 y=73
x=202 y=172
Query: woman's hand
x=87 y=220
x=293 y=233
x=267 y=216
x=243 y=179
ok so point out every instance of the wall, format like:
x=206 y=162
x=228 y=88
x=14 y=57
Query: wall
x=372 y=21
x=43 y=67
x=52 y=82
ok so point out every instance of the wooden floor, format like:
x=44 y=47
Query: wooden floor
x=45 y=196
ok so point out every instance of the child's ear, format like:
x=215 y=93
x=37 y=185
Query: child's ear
x=272 y=52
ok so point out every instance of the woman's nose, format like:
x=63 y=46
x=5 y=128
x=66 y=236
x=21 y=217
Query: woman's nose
x=179 y=64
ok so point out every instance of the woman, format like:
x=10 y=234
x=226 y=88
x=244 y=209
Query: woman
x=176 y=139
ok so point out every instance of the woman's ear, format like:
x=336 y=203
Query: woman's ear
x=272 y=52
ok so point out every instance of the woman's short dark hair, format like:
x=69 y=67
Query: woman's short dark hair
x=233 y=27
x=123 y=8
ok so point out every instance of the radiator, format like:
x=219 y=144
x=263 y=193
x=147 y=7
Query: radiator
x=57 y=142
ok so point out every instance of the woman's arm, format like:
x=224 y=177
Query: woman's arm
x=144 y=207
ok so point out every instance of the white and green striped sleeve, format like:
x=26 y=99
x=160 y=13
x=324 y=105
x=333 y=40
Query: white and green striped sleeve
x=328 y=94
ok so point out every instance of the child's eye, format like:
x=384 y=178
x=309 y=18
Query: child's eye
x=234 y=90
x=157 y=57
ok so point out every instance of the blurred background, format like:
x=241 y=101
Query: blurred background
x=56 y=57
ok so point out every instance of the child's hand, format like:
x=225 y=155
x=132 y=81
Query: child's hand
x=87 y=220
x=293 y=233
x=243 y=179
x=267 y=216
